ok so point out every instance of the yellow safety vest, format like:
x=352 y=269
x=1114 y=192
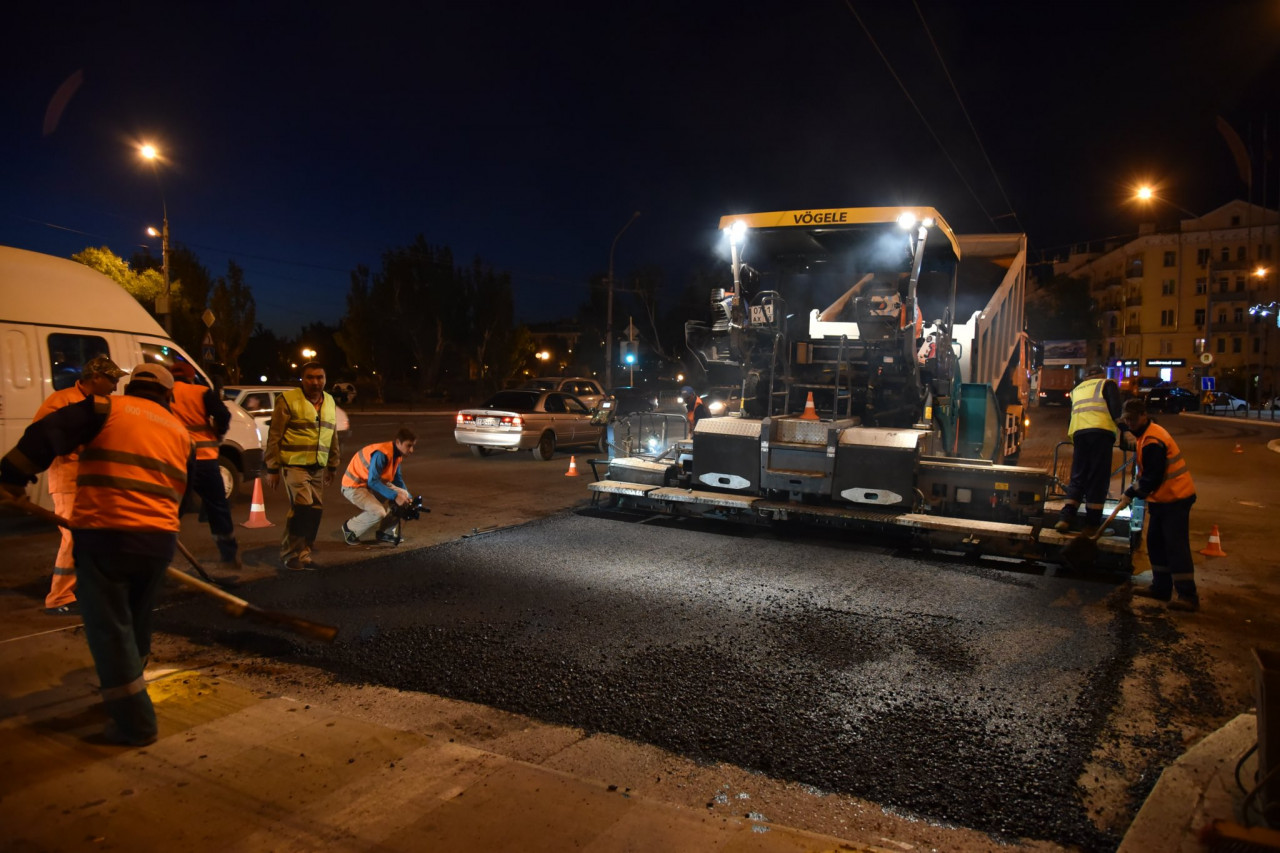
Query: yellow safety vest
x=309 y=434
x=1177 y=476
x=1089 y=408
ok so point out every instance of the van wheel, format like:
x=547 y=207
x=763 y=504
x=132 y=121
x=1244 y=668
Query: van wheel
x=230 y=478
x=545 y=448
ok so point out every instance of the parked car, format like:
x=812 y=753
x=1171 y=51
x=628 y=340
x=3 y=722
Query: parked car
x=1172 y=399
x=260 y=400
x=1271 y=405
x=528 y=419
x=586 y=390
x=1224 y=402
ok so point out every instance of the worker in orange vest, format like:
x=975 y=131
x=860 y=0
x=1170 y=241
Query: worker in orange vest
x=98 y=377
x=133 y=468
x=697 y=410
x=1164 y=482
x=207 y=419
x=373 y=482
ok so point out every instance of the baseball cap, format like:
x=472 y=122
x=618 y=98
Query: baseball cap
x=182 y=370
x=101 y=366
x=152 y=373
x=687 y=390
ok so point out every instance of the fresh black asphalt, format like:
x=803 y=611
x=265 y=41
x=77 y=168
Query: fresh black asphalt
x=957 y=692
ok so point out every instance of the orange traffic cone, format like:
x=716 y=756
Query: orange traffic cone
x=1215 y=545
x=573 y=467
x=810 y=413
x=257 y=509
x=1238 y=449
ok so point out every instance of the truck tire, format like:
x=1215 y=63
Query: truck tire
x=546 y=447
x=230 y=478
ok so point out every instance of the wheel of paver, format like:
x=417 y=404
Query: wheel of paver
x=480 y=452
x=546 y=447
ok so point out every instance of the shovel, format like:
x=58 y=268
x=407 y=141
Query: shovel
x=232 y=604
x=1081 y=551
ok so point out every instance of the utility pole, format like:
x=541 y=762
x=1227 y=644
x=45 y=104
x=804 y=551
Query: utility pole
x=608 y=321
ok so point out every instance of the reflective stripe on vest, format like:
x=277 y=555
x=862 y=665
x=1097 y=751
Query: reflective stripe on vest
x=309 y=434
x=124 y=691
x=134 y=471
x=1089 y=408
x=188 y=407
x=357 y=473
x=1177 y=482
x=62 y=472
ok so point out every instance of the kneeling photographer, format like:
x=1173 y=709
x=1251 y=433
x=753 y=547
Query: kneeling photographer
x=373 y=483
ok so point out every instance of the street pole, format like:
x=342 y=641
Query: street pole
x=608 y=322
x=164 y=259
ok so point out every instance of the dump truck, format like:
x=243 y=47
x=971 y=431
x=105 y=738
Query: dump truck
x=882 y=373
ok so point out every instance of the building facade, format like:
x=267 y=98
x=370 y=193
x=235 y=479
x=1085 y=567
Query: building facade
x=1175 y=305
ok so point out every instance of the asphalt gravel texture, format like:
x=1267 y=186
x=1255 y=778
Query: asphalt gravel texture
x=957 y=692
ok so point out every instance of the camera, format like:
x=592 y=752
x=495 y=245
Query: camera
x=411 y=511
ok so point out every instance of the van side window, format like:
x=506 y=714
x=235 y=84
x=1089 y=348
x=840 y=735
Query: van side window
x=68 y=354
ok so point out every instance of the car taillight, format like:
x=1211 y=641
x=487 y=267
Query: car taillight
x=462 y=419
x=514 y=421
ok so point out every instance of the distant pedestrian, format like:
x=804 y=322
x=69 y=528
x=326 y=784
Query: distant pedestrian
x=133 y=467
x=302 y=449
x=207 y=419
x=1095 y=407
x=1164 y=482
x=98 y=377
x=697 y=410
x=374 y=482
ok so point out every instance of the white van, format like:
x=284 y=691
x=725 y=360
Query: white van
x=55 y=315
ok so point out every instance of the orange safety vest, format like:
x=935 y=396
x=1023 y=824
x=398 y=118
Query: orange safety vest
x=689 y=414
x=62 y=473
x=357 y=473
x=1177 y=477
x=188 y=407
x=134 y=471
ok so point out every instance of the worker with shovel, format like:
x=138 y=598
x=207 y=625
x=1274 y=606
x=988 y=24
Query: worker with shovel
x=132 y=473
x=1164 y=481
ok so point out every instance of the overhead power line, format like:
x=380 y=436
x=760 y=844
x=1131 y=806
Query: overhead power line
x=995 y=175
x=916 y=107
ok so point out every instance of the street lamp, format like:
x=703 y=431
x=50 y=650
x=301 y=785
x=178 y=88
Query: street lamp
x=308 y=353
x=152 y=155
x=608 y=322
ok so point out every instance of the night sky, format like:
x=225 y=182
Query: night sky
x=305 y=139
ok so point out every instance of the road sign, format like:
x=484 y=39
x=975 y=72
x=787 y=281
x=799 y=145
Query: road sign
x=207 y=352
x=1207 y=383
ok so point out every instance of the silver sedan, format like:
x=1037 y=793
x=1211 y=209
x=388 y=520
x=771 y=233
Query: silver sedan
x=540 y=421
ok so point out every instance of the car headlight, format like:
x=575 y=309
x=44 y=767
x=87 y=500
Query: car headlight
x=716 y=408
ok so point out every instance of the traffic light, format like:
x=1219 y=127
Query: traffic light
x=627 y=350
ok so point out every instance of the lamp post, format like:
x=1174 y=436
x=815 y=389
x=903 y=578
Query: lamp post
x=152 y=155
x=608 y=322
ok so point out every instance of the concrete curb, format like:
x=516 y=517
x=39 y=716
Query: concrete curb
x=1195 y=790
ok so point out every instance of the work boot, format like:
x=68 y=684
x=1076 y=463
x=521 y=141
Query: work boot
x=294 y=564
x=1062 y=526
x=1148 y=592
x=1185 y=605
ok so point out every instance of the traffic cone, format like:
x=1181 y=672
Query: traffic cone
x=810 y=413
x=1215 y=545
x=257 y=509
x=1238 y=449
x=573 y=467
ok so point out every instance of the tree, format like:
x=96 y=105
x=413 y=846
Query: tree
x=361 y=334
x=143 y=285
x=189 y=287
x=491 y=312
x=1061 y=309
x=233 y=306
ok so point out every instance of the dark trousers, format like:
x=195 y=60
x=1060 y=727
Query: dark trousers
x=1090 y=474
x=206 y=481
x=117 y=592
x=1169 y=547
